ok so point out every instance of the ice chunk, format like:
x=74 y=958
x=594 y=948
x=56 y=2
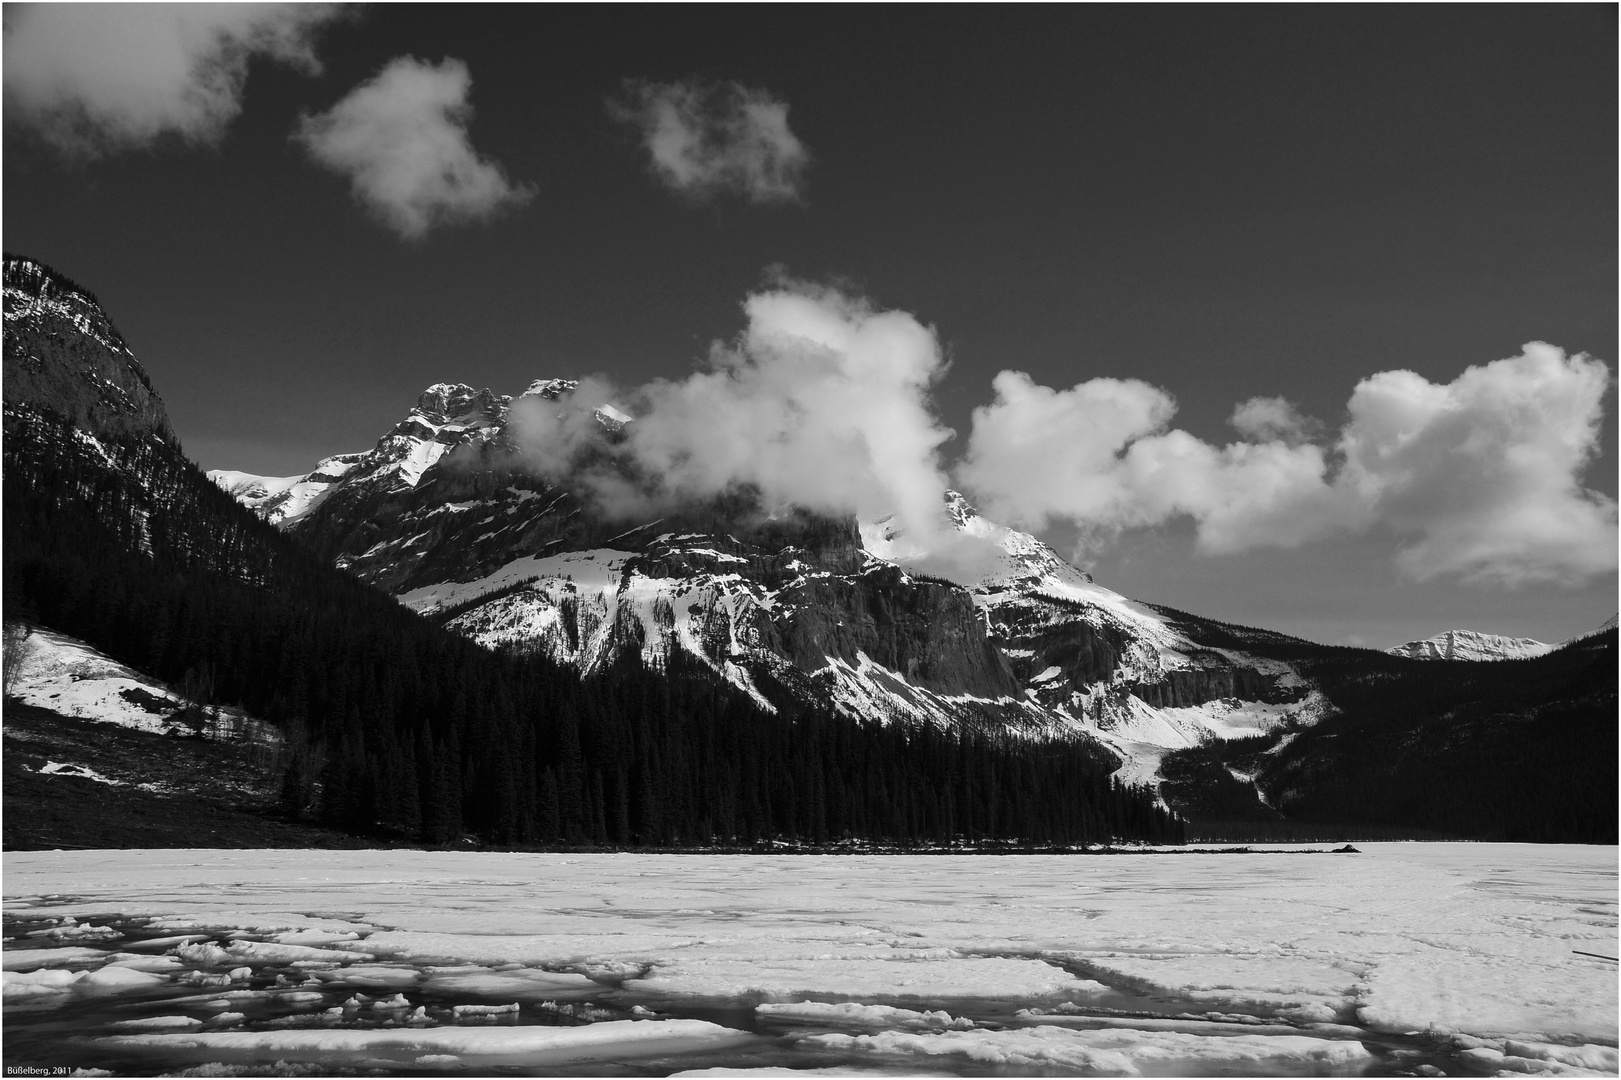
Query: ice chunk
x=484 y=1010
x=854 y=1014
x=270 y=952
x=116 y=980
x=156 y=1023
x=523 y=983
x=472 y=1048
x=1113 y=1051
x=159 y=944
x=1601 y=1058
x=29 y=959
x=372 y=976
x=38 y=984
x=203 y=954
x=316 y=937
x=81 y=932
x=860 y=977
x=156 y=965
x=103 y=982
x=300 y=997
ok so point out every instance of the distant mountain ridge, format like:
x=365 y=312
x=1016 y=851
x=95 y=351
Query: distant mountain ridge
x=1472 y=645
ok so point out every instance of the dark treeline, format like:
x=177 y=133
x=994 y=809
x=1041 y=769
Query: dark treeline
x=399 y=728
x=1516 y=750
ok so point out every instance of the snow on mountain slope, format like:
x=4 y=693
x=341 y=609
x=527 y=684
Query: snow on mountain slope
x=1101 y=661
x=280 y=499
x=995 y=631
x=445 y=416
x=61 y=673
x=1469 y=645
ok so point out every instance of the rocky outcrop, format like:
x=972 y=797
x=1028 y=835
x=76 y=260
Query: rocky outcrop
x=1043 y=635
x=1195 y=686
x=928 y=633
x=64 y=356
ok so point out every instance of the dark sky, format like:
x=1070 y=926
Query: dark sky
x=1225 y=202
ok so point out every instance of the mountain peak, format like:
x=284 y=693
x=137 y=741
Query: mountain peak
x=551 y=389
x=443 y=402
x=64 y=356
x=1471 y=645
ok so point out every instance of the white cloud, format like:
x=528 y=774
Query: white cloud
x=1266 y=419
x=822 y=402
x=1037 y=454
x=709 y=140
x=1479 y=478
x=1484 y=473
x=95 y=78
x=1098 y=455
x=825 y=402
x=558 y=433
x=401 y=138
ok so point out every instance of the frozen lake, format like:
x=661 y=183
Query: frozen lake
x=1407 y=959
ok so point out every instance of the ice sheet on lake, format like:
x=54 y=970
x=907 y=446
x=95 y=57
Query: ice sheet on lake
x=1471 y=938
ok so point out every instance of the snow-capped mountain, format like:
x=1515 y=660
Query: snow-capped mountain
x=448 y=515
x=1469 y=645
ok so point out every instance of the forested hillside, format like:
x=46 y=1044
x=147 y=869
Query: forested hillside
x=1518 y=750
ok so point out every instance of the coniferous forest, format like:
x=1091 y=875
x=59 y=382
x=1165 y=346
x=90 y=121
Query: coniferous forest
x=397 y=728
x=1512 y=750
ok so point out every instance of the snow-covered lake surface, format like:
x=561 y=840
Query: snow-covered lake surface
x=1406 y=959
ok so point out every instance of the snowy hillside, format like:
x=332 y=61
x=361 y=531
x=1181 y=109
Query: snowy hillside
x=61 y=673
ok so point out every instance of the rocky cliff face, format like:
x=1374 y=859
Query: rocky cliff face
x=63 y=355
x=446 y=513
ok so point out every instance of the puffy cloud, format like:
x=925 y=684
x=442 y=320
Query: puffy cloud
x=1037 y=454
x=560 y=433
x=1484 y=472
x=825 y=402
x=1098 y=455
x=822 y=402
x=94 y=78
x=715 y=139
x=401 y=138
x=1266 y=419
x=1479 y=477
